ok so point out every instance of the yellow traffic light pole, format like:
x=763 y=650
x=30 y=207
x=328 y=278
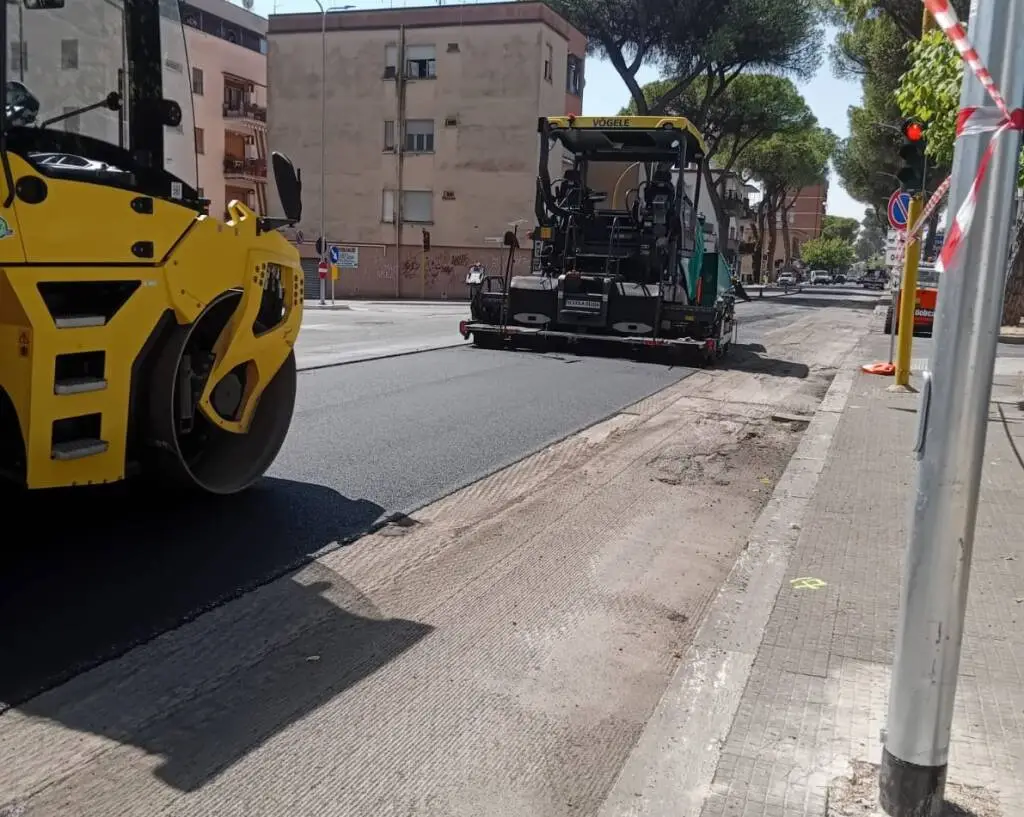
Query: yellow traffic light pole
x=908 y=295
x=908 y=284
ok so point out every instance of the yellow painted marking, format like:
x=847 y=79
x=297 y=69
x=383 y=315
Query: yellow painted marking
x=807 y=583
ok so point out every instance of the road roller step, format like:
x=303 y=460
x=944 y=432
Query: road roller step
x=79 y=385
x=77 y=449
x=80 y=321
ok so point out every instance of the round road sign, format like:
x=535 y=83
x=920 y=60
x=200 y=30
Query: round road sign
x=899 y=209
x=322 y=268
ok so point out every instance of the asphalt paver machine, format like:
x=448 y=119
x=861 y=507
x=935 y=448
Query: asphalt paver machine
x=138 y=333
x=633 y=271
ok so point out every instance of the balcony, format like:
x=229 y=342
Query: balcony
x=245 y=111
x=249 y=169
x=747 y=247
x=735 y=205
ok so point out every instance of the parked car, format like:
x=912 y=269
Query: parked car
x=838 y=278
x=820 y=276
x=787 y=279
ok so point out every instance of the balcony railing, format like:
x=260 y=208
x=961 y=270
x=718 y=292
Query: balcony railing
x=244 y=168
x=245 y=110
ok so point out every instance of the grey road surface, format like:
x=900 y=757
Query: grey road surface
x=102 y=570
x=366 y=330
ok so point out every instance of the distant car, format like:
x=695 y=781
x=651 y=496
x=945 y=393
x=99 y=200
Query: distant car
x=820 y=276
x=874 y=279
x=787 y=279
x=838 y=278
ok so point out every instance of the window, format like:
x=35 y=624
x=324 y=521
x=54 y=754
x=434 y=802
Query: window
x=390 y=61
x=200 y=141
x=19 y=56
x=71 y=123
x=420 y=61
x=574 y=76
x=417 y=206
x=549 y=63
x=69 y=55
x=389 y=134
x=199 y=192
x=197 y=81
x=419 y=135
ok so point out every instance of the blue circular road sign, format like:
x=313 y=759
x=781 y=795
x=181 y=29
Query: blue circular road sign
x=899 y=210
x=335 y=254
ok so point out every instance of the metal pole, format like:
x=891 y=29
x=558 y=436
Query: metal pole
x=953 y=415
x=323 y=143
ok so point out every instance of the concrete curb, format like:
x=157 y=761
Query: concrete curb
x=673 y=764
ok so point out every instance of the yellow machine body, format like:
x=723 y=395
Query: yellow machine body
x=165 y=262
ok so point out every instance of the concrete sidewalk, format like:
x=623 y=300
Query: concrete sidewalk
x=778 y=706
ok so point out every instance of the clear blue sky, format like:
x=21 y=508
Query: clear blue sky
x=605 y=92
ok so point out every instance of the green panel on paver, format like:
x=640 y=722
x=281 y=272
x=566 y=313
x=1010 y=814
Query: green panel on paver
x=715 y=277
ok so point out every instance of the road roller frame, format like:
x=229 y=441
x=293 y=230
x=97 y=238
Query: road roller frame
x=137 y=332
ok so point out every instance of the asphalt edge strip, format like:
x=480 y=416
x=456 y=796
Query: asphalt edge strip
x=385 y=356
x=673 y=763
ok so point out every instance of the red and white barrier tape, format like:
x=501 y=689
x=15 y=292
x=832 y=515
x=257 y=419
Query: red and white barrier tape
x=971 y=121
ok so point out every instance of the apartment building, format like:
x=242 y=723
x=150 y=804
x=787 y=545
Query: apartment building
x=227 y=63
x=430 y=117
x=805 y=221
x=214 y=67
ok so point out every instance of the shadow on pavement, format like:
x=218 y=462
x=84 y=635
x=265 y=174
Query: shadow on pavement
x=827 y=300
x=95 y=572
x=203 y=705
x=746 y=358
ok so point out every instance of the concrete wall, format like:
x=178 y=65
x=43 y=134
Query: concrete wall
x=381 y=274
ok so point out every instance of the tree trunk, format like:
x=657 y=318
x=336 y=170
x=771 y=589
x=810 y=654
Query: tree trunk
x=1013 y=299
x=715 y=197
x=772 y=241
x=933 y=225
x=787 y=244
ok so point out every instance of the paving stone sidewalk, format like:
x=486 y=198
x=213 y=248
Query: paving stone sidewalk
x=815 y=701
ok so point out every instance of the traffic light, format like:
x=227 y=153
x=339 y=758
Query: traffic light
x=426 y=241
x=912 y=145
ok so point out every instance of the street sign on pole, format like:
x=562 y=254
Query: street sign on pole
x=899 y=209
x=335 y=254
x=322 y=268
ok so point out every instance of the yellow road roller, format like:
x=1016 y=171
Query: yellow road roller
x=139 y=334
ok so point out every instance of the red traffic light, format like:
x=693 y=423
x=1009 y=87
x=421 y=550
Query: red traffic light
x=914 y=131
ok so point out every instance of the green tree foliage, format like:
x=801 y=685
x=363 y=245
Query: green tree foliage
x=930 y=91
x=872 y=45
x=827 y=253
x=694 y=39
x=871 y=238
x=840 y=227
x=784 y=164
x=753 y=107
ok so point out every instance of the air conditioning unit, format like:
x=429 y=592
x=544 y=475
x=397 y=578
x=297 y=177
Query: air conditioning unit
x=450 y=121
x=390 y=71
x=453 y=48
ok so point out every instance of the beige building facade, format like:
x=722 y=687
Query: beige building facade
x=431 y=122
x=227 y=66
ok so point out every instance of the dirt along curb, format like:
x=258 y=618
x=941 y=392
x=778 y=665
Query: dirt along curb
x=673 y=763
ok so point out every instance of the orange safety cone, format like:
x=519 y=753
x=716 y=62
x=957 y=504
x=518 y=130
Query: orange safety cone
x=879 y=368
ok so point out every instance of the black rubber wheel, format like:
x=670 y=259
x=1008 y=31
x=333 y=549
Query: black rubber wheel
x=889 y=322
x=205 y=456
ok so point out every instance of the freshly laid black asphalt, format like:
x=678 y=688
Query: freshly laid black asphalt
x=91 y=573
